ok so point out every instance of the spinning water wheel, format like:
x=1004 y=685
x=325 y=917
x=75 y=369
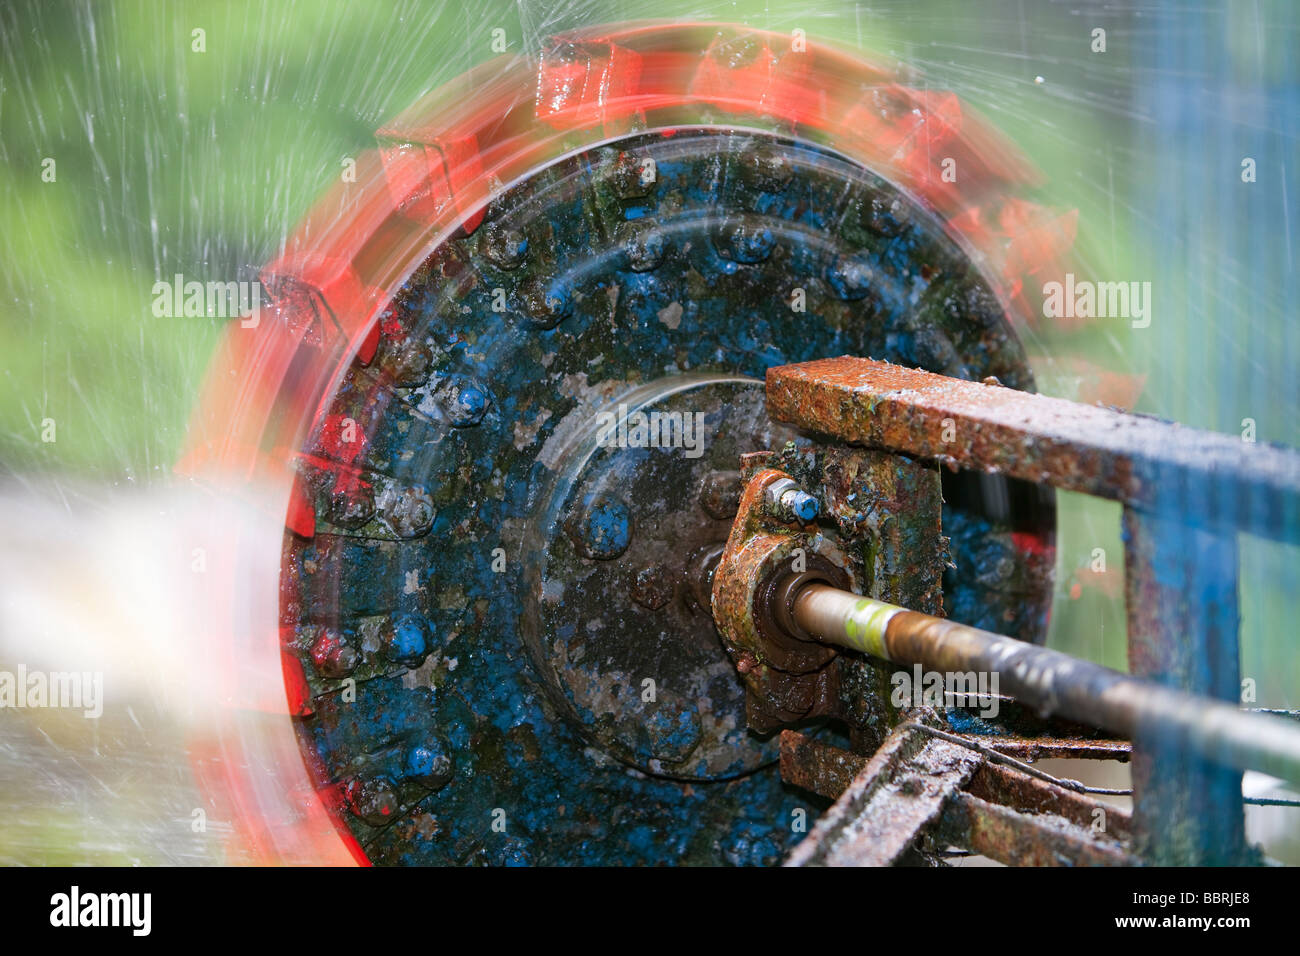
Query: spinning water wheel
x=500 y=628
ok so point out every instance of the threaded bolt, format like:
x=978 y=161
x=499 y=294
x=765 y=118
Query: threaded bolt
x=786 y=501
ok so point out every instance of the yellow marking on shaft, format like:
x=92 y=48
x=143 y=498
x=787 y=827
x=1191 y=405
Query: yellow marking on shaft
x=864 y=629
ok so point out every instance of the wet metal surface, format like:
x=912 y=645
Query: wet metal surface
x=1134 y=459
x=1000 y=813
x=1008 y=787
x=876 y=529
x=1181 y=594
x=413 y=568
x=1053 y=682
x=811 y=765
x=901 y=791
x=1043 y=748
x=611 y=619
x=1186 y=495
x=1020 y=839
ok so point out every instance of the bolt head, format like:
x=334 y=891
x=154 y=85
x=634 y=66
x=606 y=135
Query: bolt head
x=372 y=799
x=429 y=765
x=673 y=729
x=468 y=403
x=546 y=305
x=332 y=656
x=652 y=587
x=766 y=169
x=720 y=495
x=745 y=240
x=406 y=639
x=645 y=249
x=850 y=277
x=885 y=217
x=505 y=247
x=601 y=527
x=801 y=505
x=409 y=512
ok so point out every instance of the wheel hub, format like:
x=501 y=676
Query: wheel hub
x=616 y=621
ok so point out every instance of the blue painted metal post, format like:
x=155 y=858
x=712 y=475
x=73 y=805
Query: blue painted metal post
x=1181 y=591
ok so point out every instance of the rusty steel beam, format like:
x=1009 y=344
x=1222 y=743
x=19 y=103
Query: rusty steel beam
x=1019 y=791
x=1044 y=748
x=827 y=770
x=1019 y=839
x=819 y=768
x=1053 y=682
x=1061 y=826
x=902 y=789
x=1134 y=459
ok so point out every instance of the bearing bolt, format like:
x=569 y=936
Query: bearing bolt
x=409 y=512
x=547 y=305
x=786 y=501
x=645 y=249
x=506 y=247
x=406 y=639
x=745 y=240
x=673 y=729
x=850 y=277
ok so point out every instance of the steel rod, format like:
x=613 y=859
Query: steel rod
x=1053 y=682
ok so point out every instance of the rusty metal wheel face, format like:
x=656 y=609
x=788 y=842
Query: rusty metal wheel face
x=497 y=615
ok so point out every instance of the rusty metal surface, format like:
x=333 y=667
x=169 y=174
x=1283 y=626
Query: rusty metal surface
x=626 y=525
x=820 y=768
x=1020 y=839
x=827 y=770
x=1044 y=748
x=877 y=529
x=893 y=799
x=1181 y=596
x=1010 y=788
x=786 y=679
x=1098 y=451
x=1001 y=813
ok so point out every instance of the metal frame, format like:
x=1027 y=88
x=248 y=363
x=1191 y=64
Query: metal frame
x=1185 y=494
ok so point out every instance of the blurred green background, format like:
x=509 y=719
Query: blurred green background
x=170 y=160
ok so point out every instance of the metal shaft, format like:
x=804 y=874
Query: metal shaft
x=1053 y=682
